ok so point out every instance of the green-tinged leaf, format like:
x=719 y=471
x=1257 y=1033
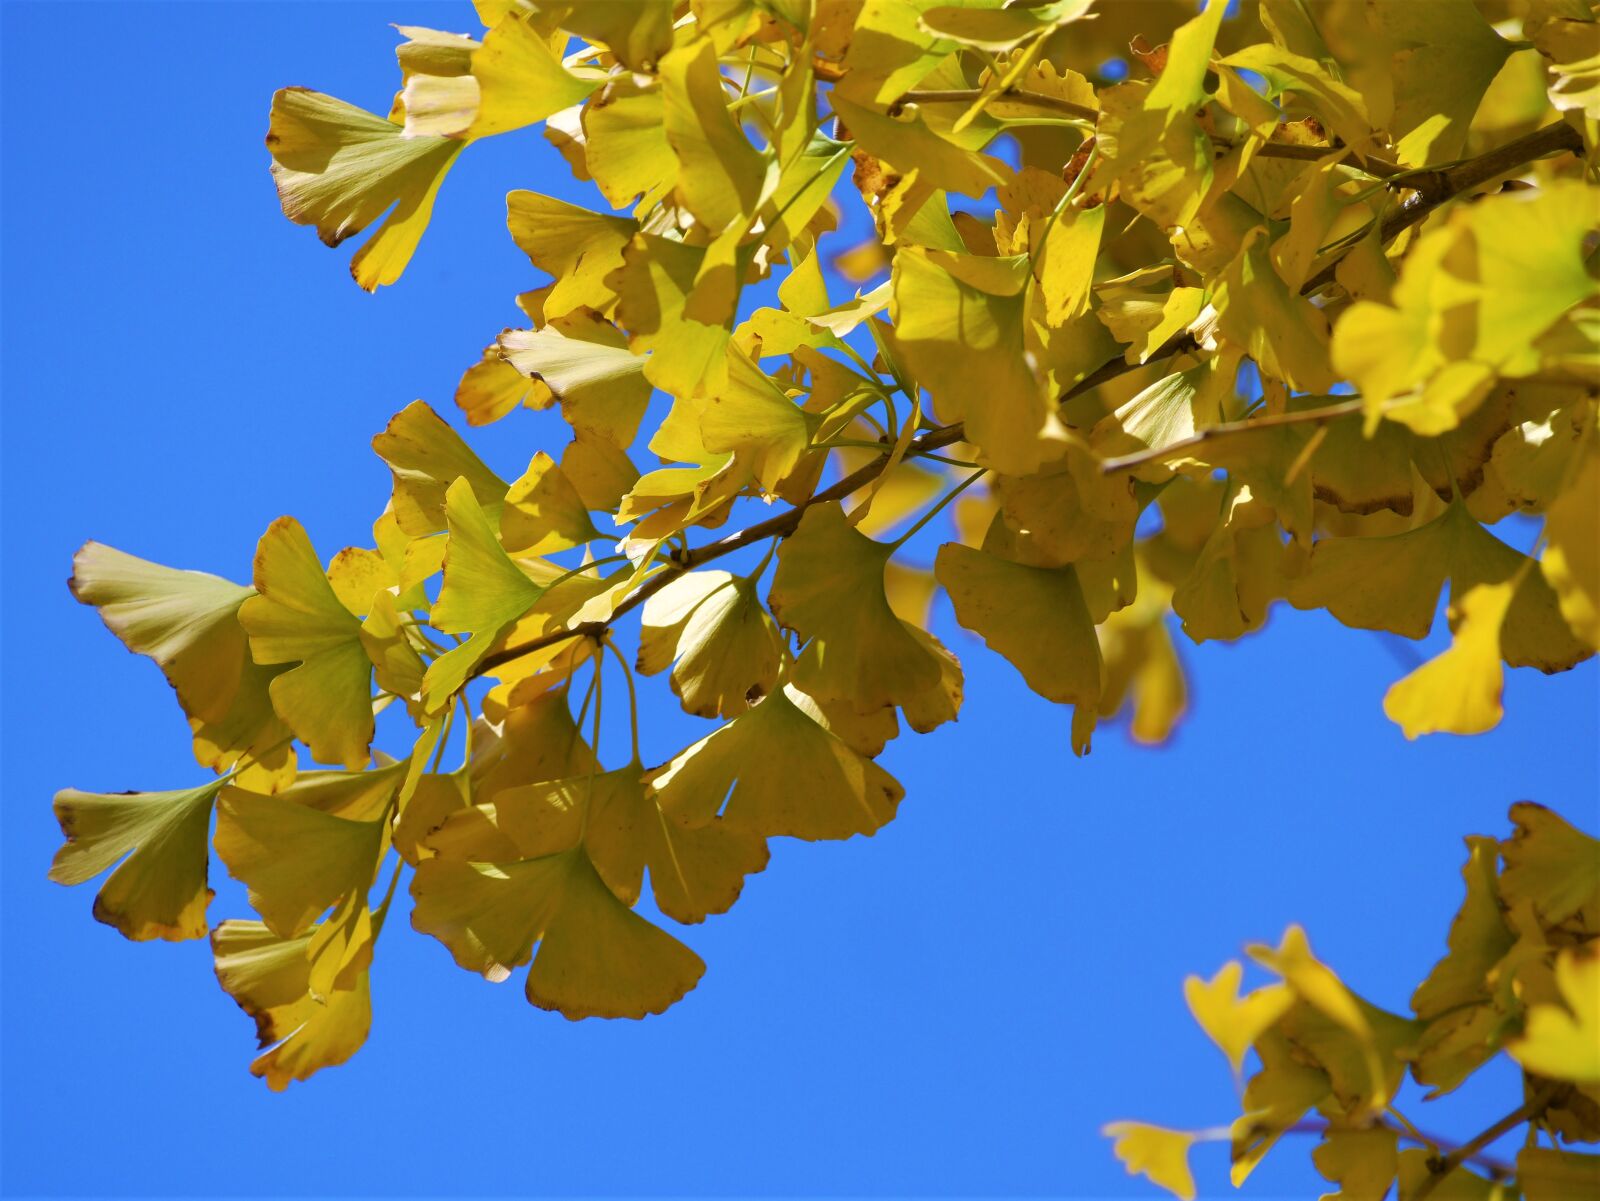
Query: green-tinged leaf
x=160 y=889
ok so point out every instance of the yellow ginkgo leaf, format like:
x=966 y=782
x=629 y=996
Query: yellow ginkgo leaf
x=910 y=146
x=1442 y=63
x=297 y=618
x=1571 y=558
x=1563 y=1043
x=628 y=153
x=1459 y=691
x=959 y=321
x=269 y=978
x=693 y=872
x=1552 y=865
x=188 y=622
x=750 y=417
x=586 y=364
x=1064 y=264
x=1283 y=332
x=1479 y=939
x=1573 y=50
x=1232 y=1021
x=829 y=588
x=721 y=176
x=297 y=860
x=638 y=32
x=579 y=248
x=483 y=595
x=1034 y=616
x=513 y=79
x=1156 y=1152
x=1393 y=583
x=160 y=890
x=1362 y=1163
x=426 y=456
x=492 y=387
x=653 y=287
x=1551 y=1174
x=595 y=957
x=1069 y=510
x=788 y=775
x=543 y=512
x=725 y=645
x=340 y=168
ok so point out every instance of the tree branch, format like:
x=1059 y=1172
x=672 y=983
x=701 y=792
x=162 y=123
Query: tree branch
x=1526 y=1112
x=1433 y=188
x=1223 y=429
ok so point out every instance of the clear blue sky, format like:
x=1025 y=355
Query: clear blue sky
x=953 y=1007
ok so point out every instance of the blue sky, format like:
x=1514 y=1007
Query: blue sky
x=952 y=1007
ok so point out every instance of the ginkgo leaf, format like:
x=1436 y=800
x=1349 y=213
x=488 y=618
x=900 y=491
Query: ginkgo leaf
x=693 y=872
x=483 y=595
x=579 y=248
x=1362 y=1163
x=1284 y=333
x=188 y=622
x=1459 y=691
x=788 y=776
x=1571 y=558
x=1069 y=511
x=340 y=168
x=829 y=588
x=1156 y=1152
x=653 y=286
x=721 y=176
x=1232 y=1021
x=543 y=512
x=588 y=367
x=628 y=153
x=426 y=456
x=594 y=958
x=1551 y=1174
x=514 y=79
x=725 y=645
x=297 y=860
x=269 y=978
x=296 y=617
x=1443 y=62
x=959 y=321
x=1478 y=939
x=1563 y=1043
x=1034 y=616
x=160 y=889
x=1552 y=865
x=1393 y=583
x=1573 y=49
x=751 y=418
x=638 y=32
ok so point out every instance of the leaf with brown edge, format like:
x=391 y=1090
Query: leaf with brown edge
x=340 y=168
x=160 y=889
x=425 y=456
x=268 y=977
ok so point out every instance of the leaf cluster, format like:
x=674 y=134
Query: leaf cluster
x=1293 y=315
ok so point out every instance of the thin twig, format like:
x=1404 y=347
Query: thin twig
x=1222 y=430
x=1526 y=1112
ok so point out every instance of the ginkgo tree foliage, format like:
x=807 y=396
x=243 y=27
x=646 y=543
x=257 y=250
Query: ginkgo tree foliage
x=1300 y=312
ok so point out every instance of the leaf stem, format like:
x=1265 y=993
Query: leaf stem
x=939 y=504
x=633 y=696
